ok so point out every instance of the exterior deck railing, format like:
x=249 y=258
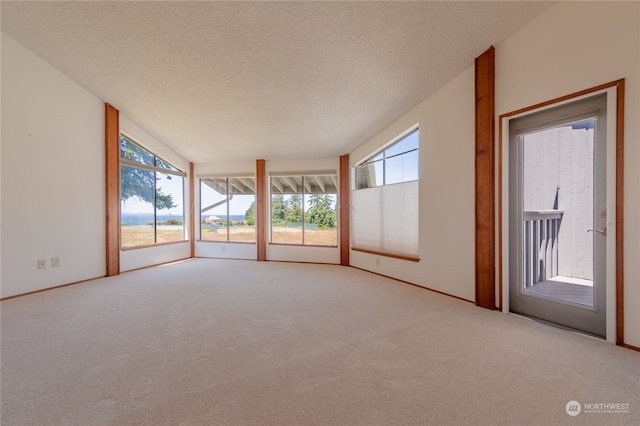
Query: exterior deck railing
x=541 y=228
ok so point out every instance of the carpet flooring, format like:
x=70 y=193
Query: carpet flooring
x=222 y=342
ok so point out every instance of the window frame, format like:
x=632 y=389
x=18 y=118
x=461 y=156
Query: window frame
x=255 y=202
x=170 y=170
x=380 y=156
x=304 y=194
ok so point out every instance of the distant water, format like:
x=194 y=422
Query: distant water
x=133 y=219
x=231 y=216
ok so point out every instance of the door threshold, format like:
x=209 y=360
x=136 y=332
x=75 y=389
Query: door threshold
x=560 y=326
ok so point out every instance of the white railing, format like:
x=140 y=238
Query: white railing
x=541 y=228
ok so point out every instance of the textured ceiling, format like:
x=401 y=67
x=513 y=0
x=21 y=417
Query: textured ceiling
x=230 y=81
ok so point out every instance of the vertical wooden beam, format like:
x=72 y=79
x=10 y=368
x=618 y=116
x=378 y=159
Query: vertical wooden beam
x=344 y=196
x=112 y=190
x=192 y=216
x=261 y=210
x=485 y=179
x=620 y=213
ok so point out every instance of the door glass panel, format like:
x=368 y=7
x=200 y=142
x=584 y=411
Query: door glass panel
x=557 y=207
x=557 y=214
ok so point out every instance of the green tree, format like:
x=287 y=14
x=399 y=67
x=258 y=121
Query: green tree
x=278 y=209
x=250 y=214
x=140 y=183
x=294 y=208
x=321 y=212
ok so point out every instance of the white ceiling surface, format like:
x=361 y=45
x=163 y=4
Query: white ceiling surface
x=234 y=81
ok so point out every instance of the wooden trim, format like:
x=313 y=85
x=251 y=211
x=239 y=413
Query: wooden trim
x=271 y=243
x=620 y=85
x=93 y=279
x=200 y=240
x=485 y=254
x=112 y=190
x=415 y=285
x=563 y=98
x=387 y=254
x=344 y=196
x=192 y=216
x=226 y=258
x=633 y=348
x=165 y=243
x=168 y=262
x=302 y=262
x=261 y=211
x=15 y=296
x=620 y=214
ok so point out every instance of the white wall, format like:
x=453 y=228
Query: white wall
x=52 y=175
x=51 y=206
x=53 y=201
x=571 y=47
x=447 y=147
x=217 y=249
x=147 y=256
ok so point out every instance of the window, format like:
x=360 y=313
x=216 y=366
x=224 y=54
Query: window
x=228 y=209
x=303 y=209
x=385 y=201
x=397 y=163
x=151 y=198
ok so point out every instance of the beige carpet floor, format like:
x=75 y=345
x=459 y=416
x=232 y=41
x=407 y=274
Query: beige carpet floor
x=217 y=342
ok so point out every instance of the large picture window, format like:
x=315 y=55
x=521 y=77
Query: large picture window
x=228 y=209
x=151 y=198
x=303 y=209
x=385 y=200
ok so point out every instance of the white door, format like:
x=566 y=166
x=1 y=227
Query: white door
x=557 y=215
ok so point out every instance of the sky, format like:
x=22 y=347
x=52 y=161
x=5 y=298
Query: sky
x=168 y=186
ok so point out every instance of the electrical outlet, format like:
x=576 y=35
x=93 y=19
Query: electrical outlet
x=42 y=263
x=55 y=262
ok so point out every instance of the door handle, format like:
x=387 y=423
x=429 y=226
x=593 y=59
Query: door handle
x=601 y=231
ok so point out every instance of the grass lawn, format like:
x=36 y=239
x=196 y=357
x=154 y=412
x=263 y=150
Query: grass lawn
x=237 y=233
x=294 y=236
x=132 y=236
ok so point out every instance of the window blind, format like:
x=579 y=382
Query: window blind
x=385 y=219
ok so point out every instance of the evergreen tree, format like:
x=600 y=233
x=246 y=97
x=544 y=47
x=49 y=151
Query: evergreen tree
x=139 y=183
x=320 y=212
x=294 y=208
x=250 y=215
x=278 y=209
